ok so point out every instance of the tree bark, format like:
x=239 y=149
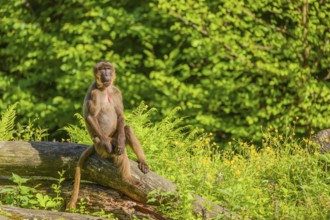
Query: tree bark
x=12 y=212
x=46 y=158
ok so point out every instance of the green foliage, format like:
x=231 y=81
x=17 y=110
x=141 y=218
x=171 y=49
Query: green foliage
x=285 y=178
x=27 y=197
x=282 y=176
x=82 y=209
x=29 y=132
x=166 y=201
x=20 y=195
x=79 y=133
x=45 y=201
x=176 y=205
x=57 y=187
x=231 y=66
x=7 y=123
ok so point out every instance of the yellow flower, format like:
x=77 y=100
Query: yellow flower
x=227 y=162
x=269 y=150
x=206 y=160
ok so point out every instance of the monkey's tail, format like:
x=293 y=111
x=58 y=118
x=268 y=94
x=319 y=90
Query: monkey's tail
x=82 y=159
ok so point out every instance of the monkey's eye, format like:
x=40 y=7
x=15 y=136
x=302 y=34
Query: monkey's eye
x=102 y=68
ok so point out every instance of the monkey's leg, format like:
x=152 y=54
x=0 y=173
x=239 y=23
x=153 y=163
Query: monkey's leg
x=74 y=196
x=123 y=164
x=132 y=141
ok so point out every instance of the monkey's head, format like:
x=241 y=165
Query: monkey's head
x=105 y=74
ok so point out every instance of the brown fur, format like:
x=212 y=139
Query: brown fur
x=104 y=116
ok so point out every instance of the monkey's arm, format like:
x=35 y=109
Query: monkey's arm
x=120 y=121
x=121 y=132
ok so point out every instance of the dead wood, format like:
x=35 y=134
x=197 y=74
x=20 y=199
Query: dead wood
x=12 y=212
x=46 y=158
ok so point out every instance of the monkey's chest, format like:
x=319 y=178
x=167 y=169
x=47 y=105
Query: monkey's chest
x=107 y=119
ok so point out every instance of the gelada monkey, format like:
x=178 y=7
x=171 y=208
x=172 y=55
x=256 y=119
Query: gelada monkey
x=104 y=116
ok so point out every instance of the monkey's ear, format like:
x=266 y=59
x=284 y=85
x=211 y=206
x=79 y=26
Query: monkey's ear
x=95 y=68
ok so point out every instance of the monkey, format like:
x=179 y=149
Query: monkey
x=104 y=116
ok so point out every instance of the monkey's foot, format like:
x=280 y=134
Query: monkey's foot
x=135 y=182
x=71 y=205
x=119 y=150
x=143 y=167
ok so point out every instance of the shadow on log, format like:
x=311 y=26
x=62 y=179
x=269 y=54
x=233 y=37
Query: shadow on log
x=46 y=158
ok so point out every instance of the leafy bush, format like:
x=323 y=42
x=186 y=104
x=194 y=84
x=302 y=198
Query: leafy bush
x=230 y=65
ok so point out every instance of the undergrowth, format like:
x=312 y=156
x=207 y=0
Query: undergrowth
x=11 y=131
x=284 y=177
x=25 y=196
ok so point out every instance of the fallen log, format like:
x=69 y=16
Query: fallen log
x=46 y=158
x=11 y=212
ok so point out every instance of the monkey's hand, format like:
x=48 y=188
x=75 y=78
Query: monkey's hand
x=104 y=142
x=143 y=166
x=120 y=147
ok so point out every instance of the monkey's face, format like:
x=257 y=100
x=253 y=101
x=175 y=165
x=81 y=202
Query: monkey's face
x=104 y=74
